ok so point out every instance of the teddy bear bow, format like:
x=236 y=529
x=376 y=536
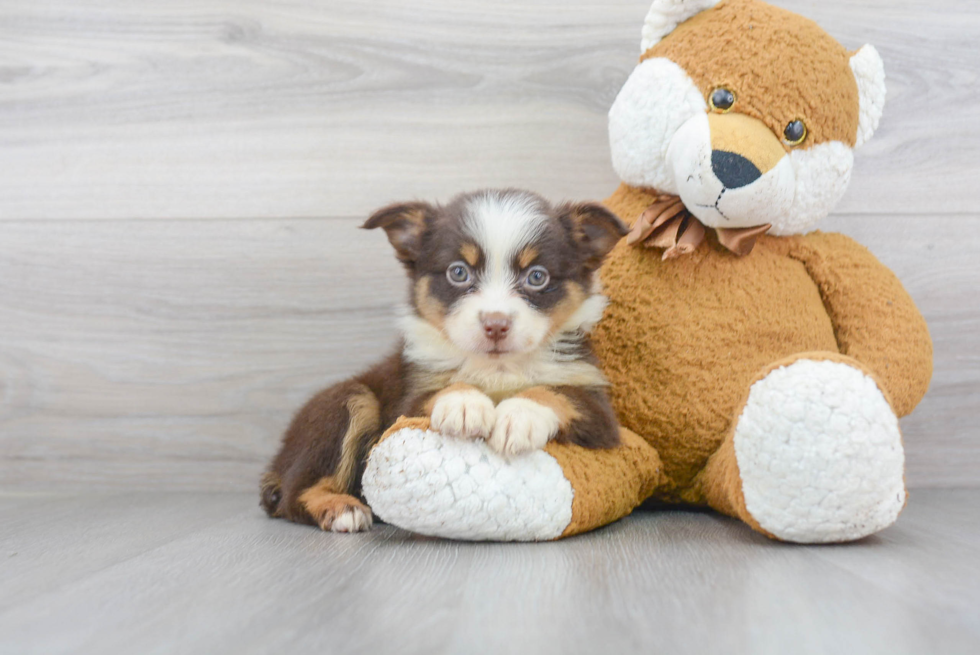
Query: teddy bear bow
x=668 y=224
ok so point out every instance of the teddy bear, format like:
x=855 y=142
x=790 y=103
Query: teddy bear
x=757 y=367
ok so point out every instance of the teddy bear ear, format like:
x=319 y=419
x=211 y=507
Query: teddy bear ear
x=869 y=73
x=665 y=15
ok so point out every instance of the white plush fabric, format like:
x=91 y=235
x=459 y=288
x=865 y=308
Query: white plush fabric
x=421 y=481
x=657 y=99
x=665 y=15
x=869 y=72
x=822 y=174
x=820 y=454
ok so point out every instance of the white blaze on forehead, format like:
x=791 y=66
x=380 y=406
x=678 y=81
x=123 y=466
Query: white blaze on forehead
x=502 y=224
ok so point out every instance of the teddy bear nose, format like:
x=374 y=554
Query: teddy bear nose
x=733 y=169
x=496 y=325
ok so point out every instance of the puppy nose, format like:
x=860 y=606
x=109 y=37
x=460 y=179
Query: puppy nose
x=733 y=169
x=496 y=325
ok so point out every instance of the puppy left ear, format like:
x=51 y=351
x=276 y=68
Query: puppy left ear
x=404 y=223
x=869 y=73
x=596 y=230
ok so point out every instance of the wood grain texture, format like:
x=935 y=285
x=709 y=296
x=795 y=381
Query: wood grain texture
x=672 y=582
x=222 y=109
x=180 y=183
x=171 y=354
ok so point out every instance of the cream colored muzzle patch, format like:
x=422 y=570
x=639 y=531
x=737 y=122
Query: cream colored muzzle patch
x=748 y=137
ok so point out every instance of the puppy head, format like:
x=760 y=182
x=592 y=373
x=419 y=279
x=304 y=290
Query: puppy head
x=748 y=112
x=499 y=272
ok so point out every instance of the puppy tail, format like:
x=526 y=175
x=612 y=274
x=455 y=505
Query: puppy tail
x=270 y=494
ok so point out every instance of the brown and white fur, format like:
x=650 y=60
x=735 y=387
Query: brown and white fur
x=495 y=346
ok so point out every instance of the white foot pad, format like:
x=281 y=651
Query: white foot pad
x=425 y=482
x=820 y=454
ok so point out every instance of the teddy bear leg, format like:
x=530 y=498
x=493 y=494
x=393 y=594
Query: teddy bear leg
x=814 y=456
x=435 y=485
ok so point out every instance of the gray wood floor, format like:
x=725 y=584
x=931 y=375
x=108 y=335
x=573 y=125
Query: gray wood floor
x=208 y=573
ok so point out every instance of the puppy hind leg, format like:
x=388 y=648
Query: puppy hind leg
x=326 y=440
x=333 y=511
x=363 y=430
x=329 y=502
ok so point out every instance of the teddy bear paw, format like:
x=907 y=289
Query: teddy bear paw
x=820 y=454
x=433 y=484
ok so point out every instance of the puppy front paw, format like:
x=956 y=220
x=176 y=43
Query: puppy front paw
x=522 y=426
x=466 y=414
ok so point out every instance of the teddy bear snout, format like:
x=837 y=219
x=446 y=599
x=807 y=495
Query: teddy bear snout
x=748 y=149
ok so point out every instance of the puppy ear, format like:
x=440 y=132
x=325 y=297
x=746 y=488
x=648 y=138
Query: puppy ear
x=404 y=224
x=596 y=230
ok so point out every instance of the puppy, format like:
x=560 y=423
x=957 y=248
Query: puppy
x=495 y=346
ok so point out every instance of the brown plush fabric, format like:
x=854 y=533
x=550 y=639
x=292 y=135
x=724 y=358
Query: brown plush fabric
x=875 y=321
x=608 y=484
x=784 y=46
x=720 y=486
x=682 y=340
x=406 y=423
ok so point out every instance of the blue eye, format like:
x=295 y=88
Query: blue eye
x=459 y=274
x=537 y=278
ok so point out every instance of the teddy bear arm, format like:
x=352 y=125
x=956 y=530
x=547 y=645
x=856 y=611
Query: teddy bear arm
x=875 y=320
x=609 y=483
x=425 y=482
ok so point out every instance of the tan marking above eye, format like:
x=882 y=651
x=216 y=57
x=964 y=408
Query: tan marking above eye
x=527 y=256
x=470 y=253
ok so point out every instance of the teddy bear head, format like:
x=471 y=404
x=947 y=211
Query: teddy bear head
x=748 y=112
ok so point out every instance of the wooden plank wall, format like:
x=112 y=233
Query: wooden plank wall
x=181 y=182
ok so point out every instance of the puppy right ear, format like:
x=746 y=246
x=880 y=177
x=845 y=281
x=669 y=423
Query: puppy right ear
x=404 y=224
x=596 y=229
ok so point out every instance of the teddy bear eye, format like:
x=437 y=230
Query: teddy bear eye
x=795 y=133
x=721 y=99
x=458 y=274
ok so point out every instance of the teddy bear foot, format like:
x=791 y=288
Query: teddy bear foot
x=819 y=453
x=428 y=483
